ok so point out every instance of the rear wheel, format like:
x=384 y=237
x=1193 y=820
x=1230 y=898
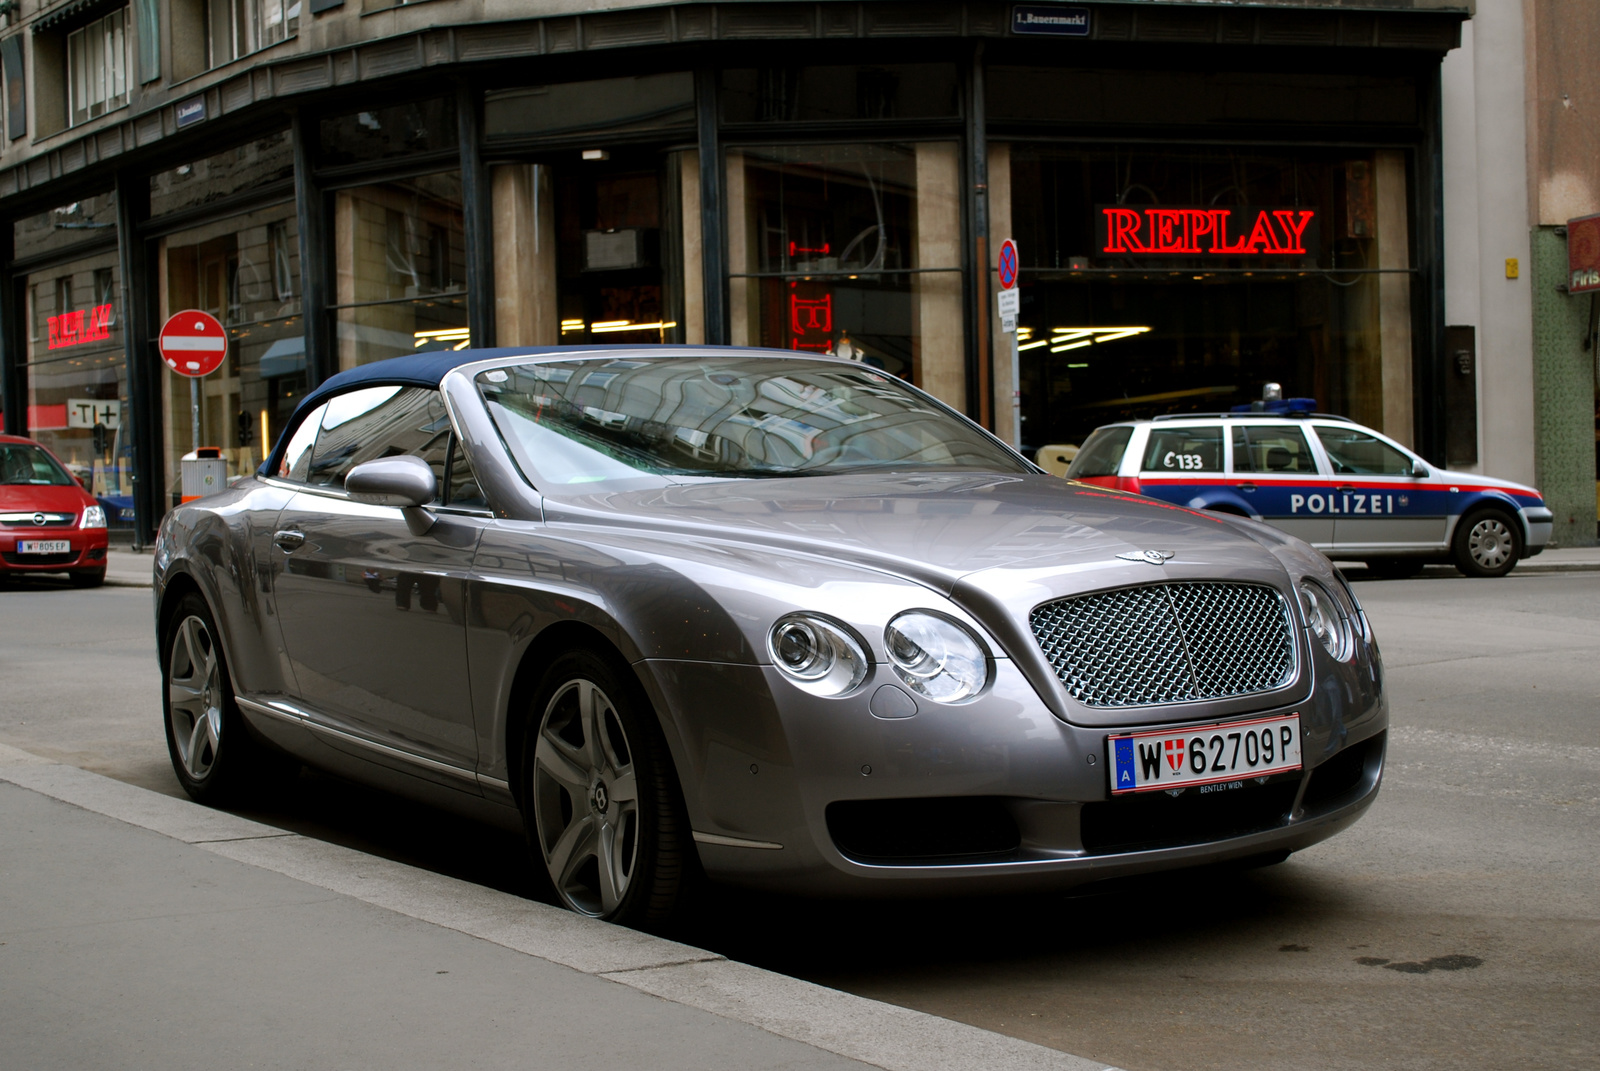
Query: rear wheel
x=600 y=800
x=212 y=754
x=1487 y=544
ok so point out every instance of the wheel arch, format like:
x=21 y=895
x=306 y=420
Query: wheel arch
x=1491 y=501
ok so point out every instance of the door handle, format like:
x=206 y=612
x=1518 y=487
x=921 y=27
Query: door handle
x=288 y=540
x=1345 y=488
x=1247 y=487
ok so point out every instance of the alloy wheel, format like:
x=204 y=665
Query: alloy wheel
x=1490 y=543
x=586 y=798
x=194 y=697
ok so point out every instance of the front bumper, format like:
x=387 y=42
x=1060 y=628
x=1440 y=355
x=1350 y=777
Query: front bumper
x=804 y=794
x=1540 y=522
x=87 y=553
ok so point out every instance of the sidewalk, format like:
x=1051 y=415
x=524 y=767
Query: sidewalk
x=140 y=931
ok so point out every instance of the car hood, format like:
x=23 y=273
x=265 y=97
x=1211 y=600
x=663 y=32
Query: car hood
x=1473 y=480
x=940 y=528
x=47 y=498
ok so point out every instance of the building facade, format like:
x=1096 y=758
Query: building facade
x=1521 y=117
x=1205 y=198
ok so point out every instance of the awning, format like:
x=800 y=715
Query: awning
x=284 y=357
x=75 y=13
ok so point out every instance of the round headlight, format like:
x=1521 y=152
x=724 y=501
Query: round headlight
x=936 y=657
x=817 y=653
x=1325 y=620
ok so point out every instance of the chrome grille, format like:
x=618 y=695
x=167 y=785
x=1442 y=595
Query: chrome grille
x=1167 y=643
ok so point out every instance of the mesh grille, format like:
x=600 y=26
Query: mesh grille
x=1167 y=643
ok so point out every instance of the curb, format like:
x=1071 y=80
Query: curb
x=872 y=1032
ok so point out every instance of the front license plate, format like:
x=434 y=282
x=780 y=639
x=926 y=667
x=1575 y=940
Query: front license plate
x=1203 y=754
x=43 y=546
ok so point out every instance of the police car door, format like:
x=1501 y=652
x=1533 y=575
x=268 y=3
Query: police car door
x=1278 y=475
x=1382 y=503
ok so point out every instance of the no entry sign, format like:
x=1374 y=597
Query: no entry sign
x=193 y=343
x=1007 y=264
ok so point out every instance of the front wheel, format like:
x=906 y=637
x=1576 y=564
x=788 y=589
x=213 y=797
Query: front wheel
x=599 y=796
x=1487 y=544
x=211 y=753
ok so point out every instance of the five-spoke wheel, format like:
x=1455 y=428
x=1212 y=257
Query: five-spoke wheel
x=212 y=755
x=604 y=812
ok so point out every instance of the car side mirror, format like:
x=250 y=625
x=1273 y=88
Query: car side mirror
x=407 y=482
x=1419 y=471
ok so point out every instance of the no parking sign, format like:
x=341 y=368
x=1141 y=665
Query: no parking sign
x=193 y=343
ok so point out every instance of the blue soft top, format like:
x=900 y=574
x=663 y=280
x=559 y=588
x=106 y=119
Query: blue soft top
x=425 y=370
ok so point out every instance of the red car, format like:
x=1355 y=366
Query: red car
x=48 y=522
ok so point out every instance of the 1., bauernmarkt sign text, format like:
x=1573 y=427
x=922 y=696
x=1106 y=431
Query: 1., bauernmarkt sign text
x=1056 y=21
x=1204 y=231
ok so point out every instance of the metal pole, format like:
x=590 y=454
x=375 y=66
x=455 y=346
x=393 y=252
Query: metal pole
x=194 y=413
x=1016 y=395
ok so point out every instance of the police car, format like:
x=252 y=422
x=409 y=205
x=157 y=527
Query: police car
x=1345 y=489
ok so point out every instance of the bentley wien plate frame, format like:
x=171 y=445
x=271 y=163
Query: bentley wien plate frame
x=1166 y=759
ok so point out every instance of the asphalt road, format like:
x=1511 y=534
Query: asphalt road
x=1454 y=927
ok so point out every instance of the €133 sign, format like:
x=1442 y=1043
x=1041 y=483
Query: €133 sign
x=193 y=343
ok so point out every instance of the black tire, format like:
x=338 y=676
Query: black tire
x=592 y=743
x=1395 y=568
x=1487 y=543
x=87 y=578
x=212 y=754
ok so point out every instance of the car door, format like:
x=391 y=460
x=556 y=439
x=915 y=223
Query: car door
x=1182 y=462
x=373 y=617
x=1277 y=473
x=1381 y=501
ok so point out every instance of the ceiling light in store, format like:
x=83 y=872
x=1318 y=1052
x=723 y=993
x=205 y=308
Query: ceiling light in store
x=1071 y=338
x=626 y=325
x=568 y=326
x=596 y=154
x=1077 y=366
x=1032 y=345
x=1072 y=346
x=461 y=336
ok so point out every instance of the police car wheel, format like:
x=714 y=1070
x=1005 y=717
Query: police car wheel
x=1487 y=544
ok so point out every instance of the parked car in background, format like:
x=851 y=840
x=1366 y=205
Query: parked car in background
x=48 y=522
x=782 y=618
x=1347 y=490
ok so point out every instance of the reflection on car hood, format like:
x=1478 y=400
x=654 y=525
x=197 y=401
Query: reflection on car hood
x=948 y=525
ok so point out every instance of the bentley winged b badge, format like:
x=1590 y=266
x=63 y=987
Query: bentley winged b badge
x=1154 y=557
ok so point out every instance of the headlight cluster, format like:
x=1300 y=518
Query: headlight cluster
x=934 y=656
x=818 y=653
x=1327 y=620
x=93 y=517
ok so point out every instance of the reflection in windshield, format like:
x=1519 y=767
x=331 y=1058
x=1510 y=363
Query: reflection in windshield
x=584 y=421
x=23 y=464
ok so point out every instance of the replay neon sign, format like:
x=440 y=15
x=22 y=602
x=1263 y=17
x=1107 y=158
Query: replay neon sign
x=1154 y=230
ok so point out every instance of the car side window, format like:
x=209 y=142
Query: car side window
x=1271 y=448
x=1183 y=450
x=296 y=461
x=464 y=489
x=1102 y=454
x=375 y=422
x=1359 y=453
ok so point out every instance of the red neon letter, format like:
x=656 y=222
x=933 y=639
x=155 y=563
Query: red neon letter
x=55 y=332
x=1263 y=235
x=1166 y=230
x=1122 y=226
x=1286 y=219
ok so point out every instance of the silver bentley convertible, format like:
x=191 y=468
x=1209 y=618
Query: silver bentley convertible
x=781 y=621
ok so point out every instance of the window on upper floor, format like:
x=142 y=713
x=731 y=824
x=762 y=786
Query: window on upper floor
x=97 y=68
x=237 y=28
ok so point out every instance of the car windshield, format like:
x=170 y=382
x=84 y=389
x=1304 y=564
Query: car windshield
x=583 y=421
x=22 y=463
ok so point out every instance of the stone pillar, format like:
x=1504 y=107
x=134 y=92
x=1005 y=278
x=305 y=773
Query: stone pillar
x=526 y=310
x=938 y=346
x=999 y=231
x=1394 y=293
x=694 y=283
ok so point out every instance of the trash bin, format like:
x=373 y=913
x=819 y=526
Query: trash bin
x=204 y=471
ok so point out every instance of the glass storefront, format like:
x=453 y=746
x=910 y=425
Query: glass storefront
x=1163 y=280
x=77 y=376
x=853 y=250
x=401 y=268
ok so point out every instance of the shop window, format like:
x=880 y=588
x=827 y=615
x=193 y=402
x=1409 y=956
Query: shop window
x=839 y=94
x=97 y=68
x=400 y=250
x=243 y=167
x=77 y=377
x=1178 y=280
x=401 y=130
x=601 y=106
x=852 y=250
x=57 y=229
x=245 y=270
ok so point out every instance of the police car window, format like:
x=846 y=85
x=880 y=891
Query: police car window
x=1101 y=454
x=1271 y=448
x=1184 y=450
x=380 y=422
x=1358 y=453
